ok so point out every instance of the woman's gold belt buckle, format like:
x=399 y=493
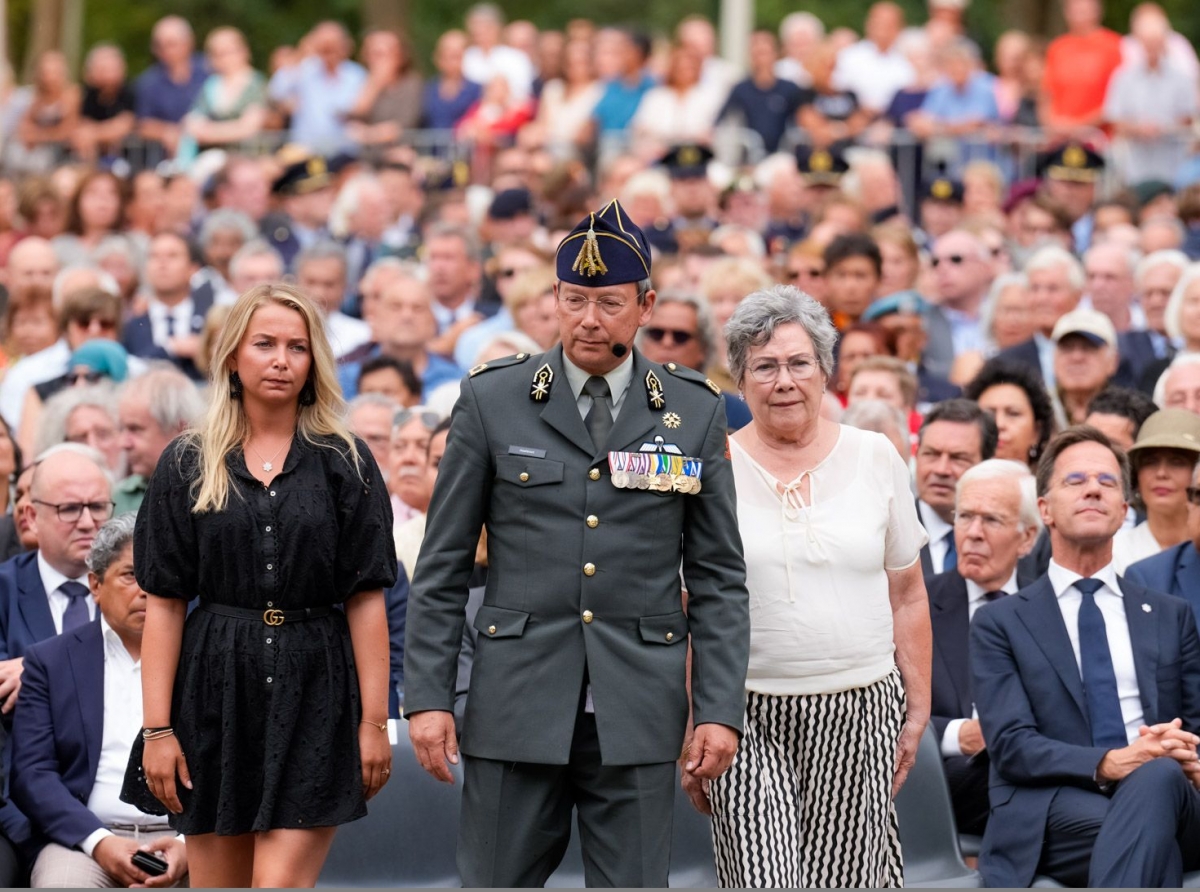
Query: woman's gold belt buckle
x=273 y=617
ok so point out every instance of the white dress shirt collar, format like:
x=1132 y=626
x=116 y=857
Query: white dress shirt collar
x=1062 y=579
x=52 y=579
x=976 y=592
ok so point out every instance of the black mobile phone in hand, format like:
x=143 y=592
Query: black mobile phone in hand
x=149 y=863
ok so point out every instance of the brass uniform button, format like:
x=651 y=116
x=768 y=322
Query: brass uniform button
x=670 y=636
x=594 y=473
x=587 y=616
x=593 y=521
x=524 y=477
x=589 y=569
x=492 y=630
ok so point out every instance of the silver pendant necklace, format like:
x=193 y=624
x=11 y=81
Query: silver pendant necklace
x=266 y=465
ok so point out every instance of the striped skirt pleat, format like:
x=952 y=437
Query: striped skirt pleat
x=807 y=802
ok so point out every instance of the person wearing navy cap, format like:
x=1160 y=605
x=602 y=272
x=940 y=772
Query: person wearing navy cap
x=1071 y=173
x=692 y=194
x=598 y=474
x=306 y=191
x=941 y=207
x=820 y=168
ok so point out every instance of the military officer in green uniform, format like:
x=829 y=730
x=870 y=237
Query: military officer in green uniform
x=598 y=474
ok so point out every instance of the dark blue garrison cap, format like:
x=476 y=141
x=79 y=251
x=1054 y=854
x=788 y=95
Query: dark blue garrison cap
x=605 y=248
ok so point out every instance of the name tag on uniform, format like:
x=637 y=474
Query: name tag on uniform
x=526 y=451
x=657 y=472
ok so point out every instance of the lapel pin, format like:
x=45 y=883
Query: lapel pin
x=1146 y=608
x=671 y=420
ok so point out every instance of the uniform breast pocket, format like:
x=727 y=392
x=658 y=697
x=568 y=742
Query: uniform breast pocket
x=522 y=471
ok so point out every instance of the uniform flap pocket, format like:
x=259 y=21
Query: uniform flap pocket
x=528 y=471
x=500 y=622
x=666 y=628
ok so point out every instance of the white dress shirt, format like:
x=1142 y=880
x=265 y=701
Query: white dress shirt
x=937 y=529
x=1111 y=602
x=52 y=580
x=122 y=723
x=481 y=66
x=976 y=598
x=180 y=316
x=873 y=75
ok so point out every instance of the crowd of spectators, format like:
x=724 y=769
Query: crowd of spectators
x=1020 y=239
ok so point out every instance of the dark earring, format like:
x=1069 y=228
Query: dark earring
x=235 y=386
x=308 y=393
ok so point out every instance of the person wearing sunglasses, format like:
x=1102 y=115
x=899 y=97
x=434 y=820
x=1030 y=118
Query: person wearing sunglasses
x=962 y=273
x=578 y=696
x=681 y=331
x=1164 y=461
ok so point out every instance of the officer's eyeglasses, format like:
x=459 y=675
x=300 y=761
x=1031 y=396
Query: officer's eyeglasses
x=70 y=512
x=576 y=304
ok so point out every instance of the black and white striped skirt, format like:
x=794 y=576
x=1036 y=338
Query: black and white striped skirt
x=807 y=802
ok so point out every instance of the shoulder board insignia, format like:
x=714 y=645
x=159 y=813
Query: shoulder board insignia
x=498 y=364
x=654 y=391
x=539 y=391
x=682 y=371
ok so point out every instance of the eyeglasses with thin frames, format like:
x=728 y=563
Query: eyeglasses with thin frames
x=576 y=304
x=765 y=371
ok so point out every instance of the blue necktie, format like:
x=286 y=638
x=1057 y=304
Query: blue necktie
x=950 y=562
x=76 y=613
x=1096 y=667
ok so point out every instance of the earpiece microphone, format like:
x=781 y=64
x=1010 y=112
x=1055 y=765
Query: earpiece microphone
x=619 y=350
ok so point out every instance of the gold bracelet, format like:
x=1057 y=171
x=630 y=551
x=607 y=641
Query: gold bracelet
x=158 y=733
x=382 y=726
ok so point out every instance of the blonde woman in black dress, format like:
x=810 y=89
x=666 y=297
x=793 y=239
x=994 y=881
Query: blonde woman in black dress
x=275 y=688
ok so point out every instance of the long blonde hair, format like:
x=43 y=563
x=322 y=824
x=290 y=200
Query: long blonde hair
x=225 y=427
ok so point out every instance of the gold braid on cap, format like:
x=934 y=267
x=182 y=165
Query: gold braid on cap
x=589 y=261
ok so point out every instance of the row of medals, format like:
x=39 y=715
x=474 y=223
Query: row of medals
x=655 y=472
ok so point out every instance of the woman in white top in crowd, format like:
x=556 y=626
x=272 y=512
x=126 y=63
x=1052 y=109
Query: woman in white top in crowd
x=566 y=103
x=682 y=109
x=1164 y=460
x=840 y=644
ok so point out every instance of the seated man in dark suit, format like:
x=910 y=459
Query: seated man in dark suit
x=956 y=435
x=80 y=711
x=44 y=592
x=171 y=326
x=1088 y=689
x=1176 y=570
x=995 y=524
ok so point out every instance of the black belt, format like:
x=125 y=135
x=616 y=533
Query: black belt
x=270 y=616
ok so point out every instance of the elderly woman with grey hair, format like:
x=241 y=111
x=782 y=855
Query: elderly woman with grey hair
x=839 y=676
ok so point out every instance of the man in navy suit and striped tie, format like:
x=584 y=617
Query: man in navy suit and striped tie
x=1088 y=691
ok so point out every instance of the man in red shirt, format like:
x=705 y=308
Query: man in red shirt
x=1078 y=67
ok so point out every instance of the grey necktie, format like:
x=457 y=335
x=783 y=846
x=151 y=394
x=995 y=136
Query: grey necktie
x=76 y=613
x=599 y=418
